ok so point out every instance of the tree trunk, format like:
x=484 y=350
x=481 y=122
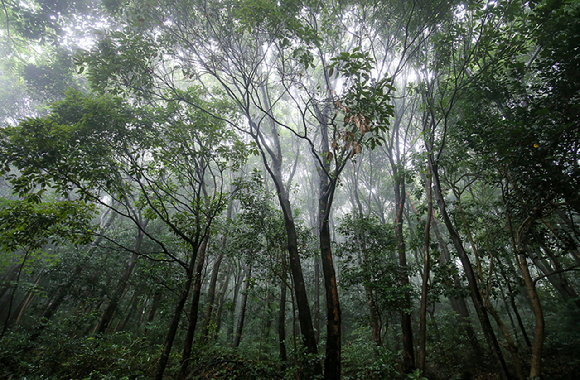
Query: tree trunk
x=374 y=317
x=220 y=305
x=243 y=305
x=424 y=285
x=282 y=320
x=153 y=310
x=458 y=304
x=207 y=315
x=238 y=281
x=472 y=281
x=275 y=171
x=188 y=344
x=134 y=304
x=406 y=326
x=316 y=299
x=539 y=329
x=22 y=308
x=332 y=361
x=109 y=311
x=170 y=337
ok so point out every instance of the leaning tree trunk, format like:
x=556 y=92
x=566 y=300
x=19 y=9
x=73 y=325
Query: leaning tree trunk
x=111 y=307
x=170 y=337
x=469 y=273
x=458 y=303
x=275 y=171
x=522 y=260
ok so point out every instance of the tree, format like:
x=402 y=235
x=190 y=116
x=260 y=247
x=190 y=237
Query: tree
x=97 y=147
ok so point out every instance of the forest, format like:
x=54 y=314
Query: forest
x=290 y=189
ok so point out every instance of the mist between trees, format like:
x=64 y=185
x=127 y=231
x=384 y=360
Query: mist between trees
x=259 y=189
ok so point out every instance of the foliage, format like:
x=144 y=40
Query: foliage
x=366 y=102
x=60 y=356
x=368 y=259
x=364 y=360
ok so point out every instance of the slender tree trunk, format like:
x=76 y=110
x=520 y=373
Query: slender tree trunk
x=153 y=310
x=170 y=337
x=275 y=171
x=317 y=299
x=213 y=281
x=221 y=301
x=406 y=326
x=22 y=309
x=374 y=317
x=134 y=305
x=472 y=281
x=244 y=302
x=424 y=286
x=111 y=307
x=332 y=361
x=282 y=321
x=188 y=344
x=539 y=328
x=512 y=346
x=238 y=281
x=458 y=304
x=211 y=296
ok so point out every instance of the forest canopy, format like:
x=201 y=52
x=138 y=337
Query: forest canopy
x=290 y=189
